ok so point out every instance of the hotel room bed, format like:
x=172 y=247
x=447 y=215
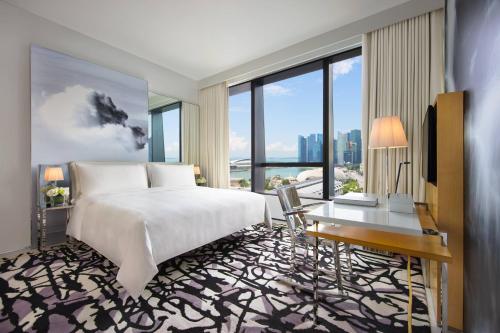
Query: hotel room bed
x=138 y=227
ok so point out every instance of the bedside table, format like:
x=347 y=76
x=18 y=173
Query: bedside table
x=41 y=215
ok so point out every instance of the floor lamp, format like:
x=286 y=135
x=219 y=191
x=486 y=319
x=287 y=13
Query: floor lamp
x=387 y=133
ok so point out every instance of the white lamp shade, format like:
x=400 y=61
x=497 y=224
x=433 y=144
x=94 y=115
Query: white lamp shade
x=197 y=170
x=387 y=132
x=53 y=174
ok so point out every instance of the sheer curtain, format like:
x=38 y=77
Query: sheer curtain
x=190 y=132
x=214 y=135
x=403 y=70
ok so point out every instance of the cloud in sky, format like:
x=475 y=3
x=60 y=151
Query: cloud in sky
x=237 y=143
x=344 y=67
x=280 y=148
x=274 y=89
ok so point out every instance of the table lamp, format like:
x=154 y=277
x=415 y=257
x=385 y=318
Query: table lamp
x=197 y=170
x=386 y=133
x=53 y=174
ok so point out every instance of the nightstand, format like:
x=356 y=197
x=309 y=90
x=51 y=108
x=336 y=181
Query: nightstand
x=41 y=215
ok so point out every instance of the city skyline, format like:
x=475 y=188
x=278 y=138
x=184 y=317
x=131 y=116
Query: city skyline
x=347 y=147
x=350 y=148
x=294 y=106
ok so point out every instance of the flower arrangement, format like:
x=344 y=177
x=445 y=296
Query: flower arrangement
x=201 y=181
x=55 y=195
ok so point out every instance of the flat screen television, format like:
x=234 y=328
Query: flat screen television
x=429 y=147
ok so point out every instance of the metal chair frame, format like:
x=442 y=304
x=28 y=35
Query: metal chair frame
x=293 y=212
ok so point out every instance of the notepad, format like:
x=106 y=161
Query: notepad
x=358 y=199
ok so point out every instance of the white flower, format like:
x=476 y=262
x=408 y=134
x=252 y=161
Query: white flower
x=53 y=192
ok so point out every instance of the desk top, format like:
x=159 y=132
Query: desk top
x=377 y=218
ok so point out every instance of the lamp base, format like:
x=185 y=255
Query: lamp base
x=401 y=203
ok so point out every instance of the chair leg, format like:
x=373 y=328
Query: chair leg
x=349 y=260
x=338 y=268
x=306 y=254
x=292 y=256
x=334 y=260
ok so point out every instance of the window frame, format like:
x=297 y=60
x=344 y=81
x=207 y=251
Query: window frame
x=258 y=155
x=168 y=108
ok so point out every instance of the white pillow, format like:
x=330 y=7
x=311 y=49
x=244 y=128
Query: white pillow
x=94 y=178
x=163 y=175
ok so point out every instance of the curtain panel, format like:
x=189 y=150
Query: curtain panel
x=214 y=135
x=190 y=132
x=403 y=70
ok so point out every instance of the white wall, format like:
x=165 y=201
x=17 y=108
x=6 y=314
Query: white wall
x=331 y=42
x=19 y=29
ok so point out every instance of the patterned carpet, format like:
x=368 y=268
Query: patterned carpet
x=226 y=286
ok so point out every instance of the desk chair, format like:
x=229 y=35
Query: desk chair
x=293 y=212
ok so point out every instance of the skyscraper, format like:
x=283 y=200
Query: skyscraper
x=341 y=147
x=310 y=149
x=335 y=159
x=302 y=149
x=355 y=138
x=319 y=148
x=311 y=146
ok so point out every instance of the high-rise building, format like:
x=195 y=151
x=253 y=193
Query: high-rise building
x=355 y=139
x=311 y=145
x=341 y=147
x=348 y=156
x=310 y=149
x=319 y=148
x=335 y=159
x=302 y=149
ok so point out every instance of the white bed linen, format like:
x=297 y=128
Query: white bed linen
x=137 y=230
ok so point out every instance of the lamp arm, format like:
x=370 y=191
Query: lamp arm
x=399 y=173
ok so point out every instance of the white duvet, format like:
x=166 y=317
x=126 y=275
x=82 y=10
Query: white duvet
x=139 y=229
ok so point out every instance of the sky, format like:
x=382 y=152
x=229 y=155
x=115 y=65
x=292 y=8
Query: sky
x=294 y=107
x=171 y=135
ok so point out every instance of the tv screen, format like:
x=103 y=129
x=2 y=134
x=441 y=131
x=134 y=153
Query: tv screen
x=429 y=147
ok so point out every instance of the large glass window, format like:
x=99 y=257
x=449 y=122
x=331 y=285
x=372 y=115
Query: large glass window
x=300 y=126
x=346 y=106
x=164 y=145
x=293 y=118
x=240 y=149
x=289 y=136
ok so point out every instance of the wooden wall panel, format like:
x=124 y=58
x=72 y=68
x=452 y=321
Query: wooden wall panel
x=431 y=197
x=450 y=194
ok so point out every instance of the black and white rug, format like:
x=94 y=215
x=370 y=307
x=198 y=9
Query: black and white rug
x=226 y=286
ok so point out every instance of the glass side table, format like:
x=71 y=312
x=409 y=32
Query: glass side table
x=41 y=215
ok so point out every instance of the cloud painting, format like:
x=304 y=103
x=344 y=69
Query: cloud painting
x=82 y=111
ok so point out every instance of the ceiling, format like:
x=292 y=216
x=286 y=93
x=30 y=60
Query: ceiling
x=200 y=38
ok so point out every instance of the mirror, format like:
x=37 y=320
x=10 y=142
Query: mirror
x=164 y=128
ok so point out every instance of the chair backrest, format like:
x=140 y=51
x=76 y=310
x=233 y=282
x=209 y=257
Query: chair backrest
x=290 y=201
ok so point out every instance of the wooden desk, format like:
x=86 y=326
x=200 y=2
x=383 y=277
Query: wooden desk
x=423 y=246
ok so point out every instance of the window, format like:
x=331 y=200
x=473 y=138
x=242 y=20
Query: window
x=240 y=136
x=288 y=137
x=299 y=126
x=293 y=119
x=347 y=146
x=164 y=145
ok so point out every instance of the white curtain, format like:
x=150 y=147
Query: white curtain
x=214 y=135
x=190 y=133
x=402 y=73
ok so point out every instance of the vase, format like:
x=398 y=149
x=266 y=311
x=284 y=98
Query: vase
x=56 y=201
